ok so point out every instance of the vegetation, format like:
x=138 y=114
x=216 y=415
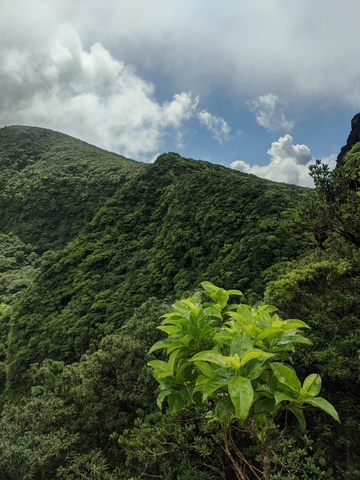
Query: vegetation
x=52 y=184
x=154 y=237
x=236 y=358
x=95 y=248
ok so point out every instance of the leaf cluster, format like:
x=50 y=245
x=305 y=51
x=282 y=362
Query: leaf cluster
x=236 y=355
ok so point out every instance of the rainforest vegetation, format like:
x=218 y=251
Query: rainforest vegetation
x=102 y=258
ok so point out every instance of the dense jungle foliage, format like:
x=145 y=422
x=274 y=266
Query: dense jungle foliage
x=96 y=247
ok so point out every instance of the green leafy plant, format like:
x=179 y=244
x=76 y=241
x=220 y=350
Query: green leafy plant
x=237 y=358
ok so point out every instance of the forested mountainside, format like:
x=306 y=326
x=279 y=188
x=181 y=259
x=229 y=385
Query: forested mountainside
x=52 y=184
x=95 y=247
x=176 y=223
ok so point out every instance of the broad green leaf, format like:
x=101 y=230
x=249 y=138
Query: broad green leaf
x=251 y=354
x=320 y=402
x=181 y=369
x=172 y=360
x=213 y=311
x=217 y=294
x=286 y=375
x=174 y=345
x=160 y=344
x=178 y=320
x=241 y=344
x=186 y=340
x=209 y=287
x=176 y=315
x=294 y=339
x=238 y=318
x=294 y=323
x=205 y=368
x=161 y=396
x=200 y=383
x=299 y=416
x=161 y=368
x=250 y=329
x=186 y=392
x=213 y=385
x=265 y=320
x=196 y=314
x=169 y=329
x=175 y=401
x=267 y=332
x=224 y=336
x=188 y=302
x=211 y=356
x=277 y=322
x=234 y=361
x=312 y=384
x=289 y=347
x=247 y=312
x=241 y=393
x=223 y=410
x=267 y=308
x=253 y=369
x=234 y=292
x=283 y=397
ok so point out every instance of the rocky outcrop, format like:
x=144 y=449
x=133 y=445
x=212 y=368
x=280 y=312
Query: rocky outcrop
x=353 y=138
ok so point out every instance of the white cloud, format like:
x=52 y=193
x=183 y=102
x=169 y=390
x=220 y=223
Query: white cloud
x=269 y=113
x=217 y=126
x=268 y=46
x=288 y=163
x=90 y=95
x=292 y=52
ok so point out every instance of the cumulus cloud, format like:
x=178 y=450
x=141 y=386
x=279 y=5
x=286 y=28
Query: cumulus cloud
x=217 y=126
x=88 y=94
x=288 y=163
x=269 y=113
x=69 y=66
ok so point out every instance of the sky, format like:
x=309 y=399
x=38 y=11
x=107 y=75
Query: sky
x=261 y=86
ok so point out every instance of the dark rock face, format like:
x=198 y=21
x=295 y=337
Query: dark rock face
x=353 y=138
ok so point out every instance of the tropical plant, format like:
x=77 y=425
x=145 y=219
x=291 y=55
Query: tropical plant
x=236 y=358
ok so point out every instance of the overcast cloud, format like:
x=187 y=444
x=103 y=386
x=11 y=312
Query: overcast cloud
x=139 y=77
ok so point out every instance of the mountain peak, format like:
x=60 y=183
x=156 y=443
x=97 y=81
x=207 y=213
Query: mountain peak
x=353 y=138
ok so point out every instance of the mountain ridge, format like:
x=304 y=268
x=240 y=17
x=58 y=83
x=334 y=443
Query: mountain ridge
x=52 y=184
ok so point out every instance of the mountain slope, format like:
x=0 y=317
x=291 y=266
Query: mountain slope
x=52 y=184
x=176 y=223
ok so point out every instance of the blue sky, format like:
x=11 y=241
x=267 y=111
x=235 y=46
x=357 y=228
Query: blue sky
x=263 y=86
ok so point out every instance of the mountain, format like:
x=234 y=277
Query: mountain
x=95 y=247
x=53 y=184
x=353 y=139
x=173 y=224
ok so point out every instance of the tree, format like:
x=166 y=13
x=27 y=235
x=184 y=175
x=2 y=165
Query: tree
x=235 y=358
x=333 y=207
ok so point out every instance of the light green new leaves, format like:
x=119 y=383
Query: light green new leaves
x=306 y=393
x=312 y=385
x=227 y=361
x=236 y=355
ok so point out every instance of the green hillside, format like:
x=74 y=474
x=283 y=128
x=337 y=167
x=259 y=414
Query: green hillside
x=52 y=184
x=94 y=248
x=176 y=223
